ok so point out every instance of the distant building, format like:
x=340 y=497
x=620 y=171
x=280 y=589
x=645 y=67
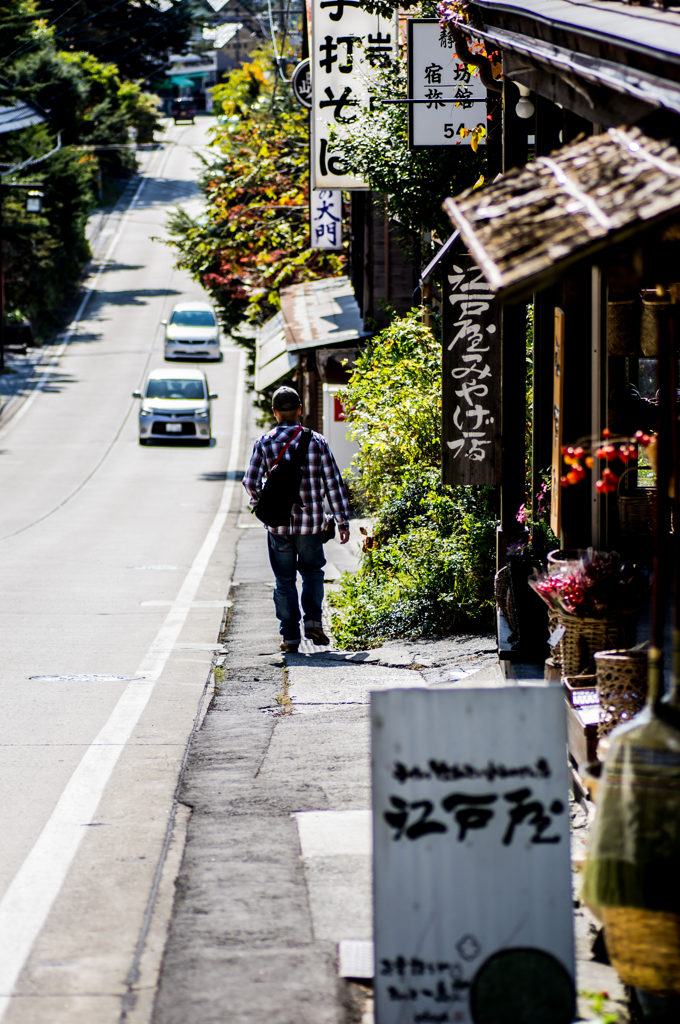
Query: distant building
x=234 y=42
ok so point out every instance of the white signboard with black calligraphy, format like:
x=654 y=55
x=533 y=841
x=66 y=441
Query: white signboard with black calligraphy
x=472 y=868
x=451 y=107
x=348 y=47
x=471 y=376
x=325 y=219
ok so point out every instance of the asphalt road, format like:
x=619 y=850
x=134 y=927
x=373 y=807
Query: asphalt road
x=115 y=567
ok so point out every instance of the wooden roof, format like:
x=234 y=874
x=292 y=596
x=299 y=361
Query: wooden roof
x=529 y=226
x=645 y=29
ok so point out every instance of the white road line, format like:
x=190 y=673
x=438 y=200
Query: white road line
x=27 y=903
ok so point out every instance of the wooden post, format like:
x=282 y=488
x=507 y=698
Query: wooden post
x=557 y=419
x=600 y=504
x=548 y=125
x=513 y=359
x=357 y=244
x=542 y=392
x=575 y=301
x=514 y=129
x=513 y=392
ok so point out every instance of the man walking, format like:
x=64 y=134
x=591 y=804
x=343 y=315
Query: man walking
x=298 y=546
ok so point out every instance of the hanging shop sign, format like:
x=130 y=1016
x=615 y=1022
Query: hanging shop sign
x=349 y=46
x=325 y=219
x=301 y=84
x=471 y=868
x=447 y=101
x=471 y=376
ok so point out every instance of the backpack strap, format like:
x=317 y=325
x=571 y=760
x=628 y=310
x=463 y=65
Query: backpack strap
x=286 y=447
x=302 y=448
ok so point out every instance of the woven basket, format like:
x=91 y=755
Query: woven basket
x=583 y=638
x=654 y=307
x=643 y=946
x=637 y=509
x=621 y=685
x=623 y=326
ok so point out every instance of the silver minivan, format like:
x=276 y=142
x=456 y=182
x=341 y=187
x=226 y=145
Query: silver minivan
x=175 y=404
x=192 y=332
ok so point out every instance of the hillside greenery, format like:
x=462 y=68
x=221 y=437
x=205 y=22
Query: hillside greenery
x=88 y=105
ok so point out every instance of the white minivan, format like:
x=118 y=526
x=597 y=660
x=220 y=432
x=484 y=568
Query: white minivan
x=192 y=332
x=176 y=405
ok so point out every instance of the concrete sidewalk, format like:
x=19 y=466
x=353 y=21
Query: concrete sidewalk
x=276 y=870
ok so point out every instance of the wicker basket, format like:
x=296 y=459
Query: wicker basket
x=637 y=510
x=654 y=307
x=643 y=946
x=623 y=326
x=621 y=685
x=583 y=638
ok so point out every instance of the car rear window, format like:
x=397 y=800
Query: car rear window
x=188 y=389
x=193 y=318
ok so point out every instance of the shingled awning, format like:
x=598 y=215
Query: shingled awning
x=314 y=315
x=527 y=228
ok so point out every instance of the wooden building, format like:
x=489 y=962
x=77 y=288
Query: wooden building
x=585 y=224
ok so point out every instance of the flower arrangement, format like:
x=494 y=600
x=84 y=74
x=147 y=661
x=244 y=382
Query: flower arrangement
x=597 y=586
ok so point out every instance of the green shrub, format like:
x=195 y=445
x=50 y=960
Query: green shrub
x=394 y=408
x=427 y=572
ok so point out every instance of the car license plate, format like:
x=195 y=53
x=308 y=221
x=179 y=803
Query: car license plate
x=173 y=428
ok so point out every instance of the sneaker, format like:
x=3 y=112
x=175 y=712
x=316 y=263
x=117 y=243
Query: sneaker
x=289 y=646
x=314 y=631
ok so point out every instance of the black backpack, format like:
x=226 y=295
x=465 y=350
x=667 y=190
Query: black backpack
x=282 y=487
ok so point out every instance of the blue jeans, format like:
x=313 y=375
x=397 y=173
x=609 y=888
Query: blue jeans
x=288 y=555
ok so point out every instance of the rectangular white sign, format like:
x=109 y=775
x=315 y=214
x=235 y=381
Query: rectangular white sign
x=325 y=219
x=472 y=870
x=348 y=47
x=453 y=100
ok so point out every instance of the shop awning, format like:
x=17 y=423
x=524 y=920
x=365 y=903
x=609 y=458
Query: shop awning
x=320 y=313
x=272 y=359
x=317 y=314
x=527 y=228
x=183 y=82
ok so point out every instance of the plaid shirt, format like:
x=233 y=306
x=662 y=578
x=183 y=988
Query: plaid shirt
x=320 y=476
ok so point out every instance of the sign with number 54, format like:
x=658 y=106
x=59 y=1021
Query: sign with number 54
x=451 y=100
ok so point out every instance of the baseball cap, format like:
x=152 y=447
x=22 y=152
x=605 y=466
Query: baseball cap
x=284 y=399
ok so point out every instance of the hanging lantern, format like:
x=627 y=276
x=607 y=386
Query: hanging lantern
x=34 y=201
x=524 y=107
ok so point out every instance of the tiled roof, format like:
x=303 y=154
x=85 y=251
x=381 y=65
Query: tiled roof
x=526 y=228
x=18 y=116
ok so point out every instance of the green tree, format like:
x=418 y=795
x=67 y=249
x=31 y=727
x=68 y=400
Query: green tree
x=135 y=35
x=88 y=105
x=415 y=181
x=394 y=403
x=253 y=238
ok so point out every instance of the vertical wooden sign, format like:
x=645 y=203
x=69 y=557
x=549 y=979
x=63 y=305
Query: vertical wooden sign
x=471 y=376
x=558 y=398
x=471 y=862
